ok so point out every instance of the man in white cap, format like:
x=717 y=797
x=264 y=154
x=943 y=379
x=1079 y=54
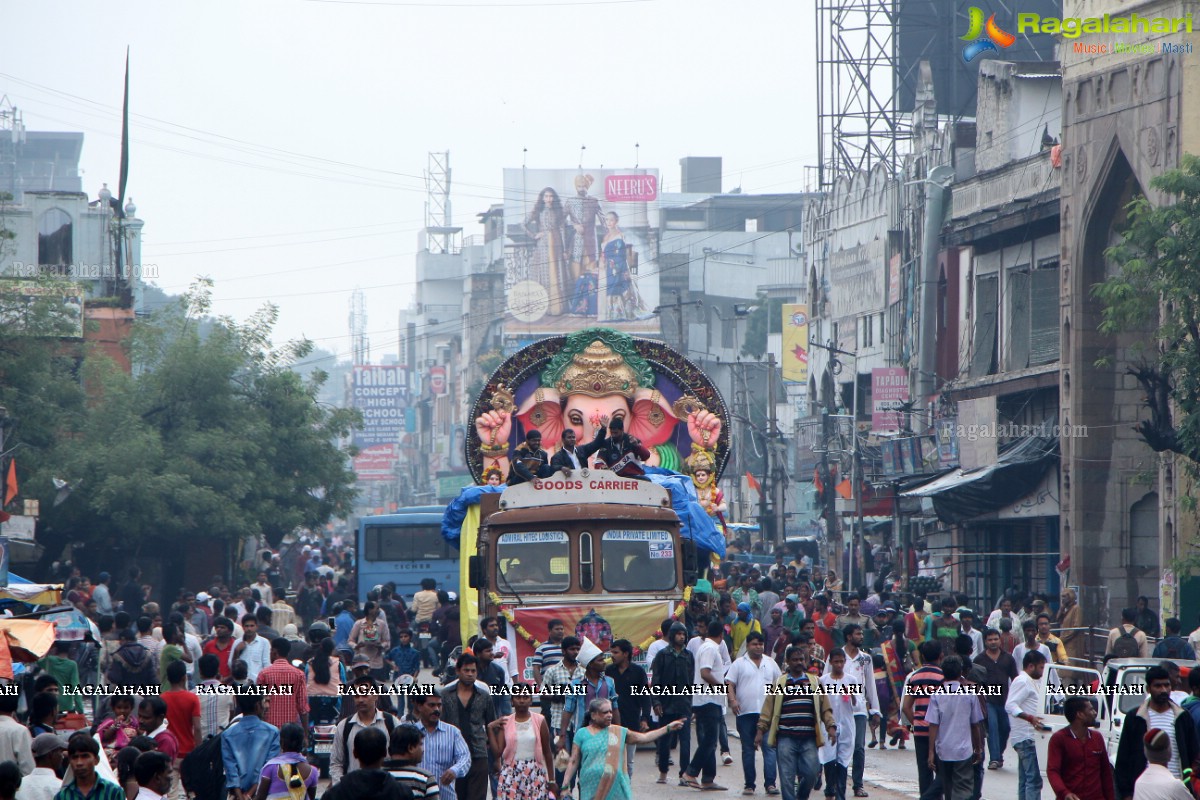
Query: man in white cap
x=44 y=782
x=596 y=685
x=201 y=615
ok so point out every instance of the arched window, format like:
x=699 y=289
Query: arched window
x=54 y=239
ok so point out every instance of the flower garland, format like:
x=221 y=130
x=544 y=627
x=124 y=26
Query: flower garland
x=507 y=613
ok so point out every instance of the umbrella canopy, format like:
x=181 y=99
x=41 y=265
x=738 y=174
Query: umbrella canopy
x=27 y=639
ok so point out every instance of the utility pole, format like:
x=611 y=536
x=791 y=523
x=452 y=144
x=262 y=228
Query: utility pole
x=678 y=306
x=772 y=466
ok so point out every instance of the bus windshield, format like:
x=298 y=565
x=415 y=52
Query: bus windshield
x=637 y=561
x=404 y=543
x=534 y=562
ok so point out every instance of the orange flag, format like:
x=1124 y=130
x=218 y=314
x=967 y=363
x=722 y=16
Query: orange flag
x=754 y=484
x=10 y=483
x=845 y=489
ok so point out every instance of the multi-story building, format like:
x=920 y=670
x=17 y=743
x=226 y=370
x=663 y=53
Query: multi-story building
x=1127 y=116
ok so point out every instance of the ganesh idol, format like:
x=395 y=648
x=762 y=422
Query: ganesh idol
x=597 y=376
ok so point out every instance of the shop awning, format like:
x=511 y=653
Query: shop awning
x=962 y=494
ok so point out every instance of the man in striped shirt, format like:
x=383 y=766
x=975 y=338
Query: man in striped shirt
x=550 y=653
x=446 y=755
x=216 y=706
x=406 y=749
x=796 y=719
x=916 y=703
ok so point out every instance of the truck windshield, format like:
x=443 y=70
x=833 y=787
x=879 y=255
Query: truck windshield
x=637 y=561
x=533 y=562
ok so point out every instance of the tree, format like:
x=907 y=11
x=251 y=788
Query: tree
x=763 y=320
x=213 y=435
x=1158 y=280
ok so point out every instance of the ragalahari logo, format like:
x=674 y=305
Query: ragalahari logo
x=983 y=36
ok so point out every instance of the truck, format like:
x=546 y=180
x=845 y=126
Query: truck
x=602 y=553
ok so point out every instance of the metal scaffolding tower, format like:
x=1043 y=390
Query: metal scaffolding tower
x=438 y=218
x=859 y=124
x=360 y=345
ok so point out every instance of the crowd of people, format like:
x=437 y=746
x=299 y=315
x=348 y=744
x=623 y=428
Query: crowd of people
x=809 y=674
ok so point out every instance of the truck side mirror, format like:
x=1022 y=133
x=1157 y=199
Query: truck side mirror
x=475 y=572
x=691 y=570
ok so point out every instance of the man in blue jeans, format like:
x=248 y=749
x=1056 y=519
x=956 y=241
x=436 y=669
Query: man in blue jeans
x=1001 y=670
x=708 y=708
x=795 y=720
x=748 y=679
x=1022 y=706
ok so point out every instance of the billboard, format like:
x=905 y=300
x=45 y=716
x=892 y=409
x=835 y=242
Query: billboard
x=580 y=248
x=377 y=463
x=795 y=343
x=380 y=394
x=889 y=392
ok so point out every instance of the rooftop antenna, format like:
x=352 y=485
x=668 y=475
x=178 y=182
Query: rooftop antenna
x=637 y=155
x=524 y=157
x=582 y=147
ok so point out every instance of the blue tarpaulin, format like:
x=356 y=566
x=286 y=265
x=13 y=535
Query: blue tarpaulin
x=456 y=512
x=695 y=523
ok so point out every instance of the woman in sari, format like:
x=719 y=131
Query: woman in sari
x=521 y=743
x=547 y=265
x=900 y=656
x=598 y=754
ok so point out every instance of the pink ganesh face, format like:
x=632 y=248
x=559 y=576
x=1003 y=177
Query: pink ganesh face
x=583 y=413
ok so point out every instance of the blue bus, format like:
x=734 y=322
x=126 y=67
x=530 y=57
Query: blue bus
x=405 y=548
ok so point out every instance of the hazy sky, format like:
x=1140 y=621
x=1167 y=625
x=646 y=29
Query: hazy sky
x=278 y=146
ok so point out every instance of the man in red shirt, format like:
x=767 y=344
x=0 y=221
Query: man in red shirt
x=183 y=709
x=221 y=645
x=287 y=686
x=1076 y=761
x=826 y=621
x=152 y=722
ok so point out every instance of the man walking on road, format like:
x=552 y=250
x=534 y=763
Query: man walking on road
x=1156 y=711
x=860 y=668
x=1023 y=703
x=1001 y=670
x=1077 y=759
x=708 y=710
x=673 y=668
x=955 y=733
x=748 y=679
x=796 y=720
x=918 y=691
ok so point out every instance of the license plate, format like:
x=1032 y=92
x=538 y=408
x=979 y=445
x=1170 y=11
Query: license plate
x=323 y=747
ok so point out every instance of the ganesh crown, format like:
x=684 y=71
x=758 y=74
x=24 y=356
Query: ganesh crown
x=598 y=371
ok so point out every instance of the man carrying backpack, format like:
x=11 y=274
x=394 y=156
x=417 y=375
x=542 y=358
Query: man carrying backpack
x=132 y=664
x=1126 y=640
x=367 y=715
x=246 y=747
x=1174 y=645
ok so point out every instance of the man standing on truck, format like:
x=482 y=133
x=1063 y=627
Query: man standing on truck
x=624 y=454
x=529 y=461
x=571 y=457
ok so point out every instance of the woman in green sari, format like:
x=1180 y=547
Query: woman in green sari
x=598 y=754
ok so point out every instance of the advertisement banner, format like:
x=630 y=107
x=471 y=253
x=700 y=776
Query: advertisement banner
x=603 y=623
x=889 y=391
x=377 y=463
x=795 y=343
x=380 y=394
x=580 y=249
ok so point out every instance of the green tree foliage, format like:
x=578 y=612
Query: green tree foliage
x=1157 y=290
x=213 y=435
x=763 y=320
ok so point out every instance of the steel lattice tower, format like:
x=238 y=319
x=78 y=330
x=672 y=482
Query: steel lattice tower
x=859 y=124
